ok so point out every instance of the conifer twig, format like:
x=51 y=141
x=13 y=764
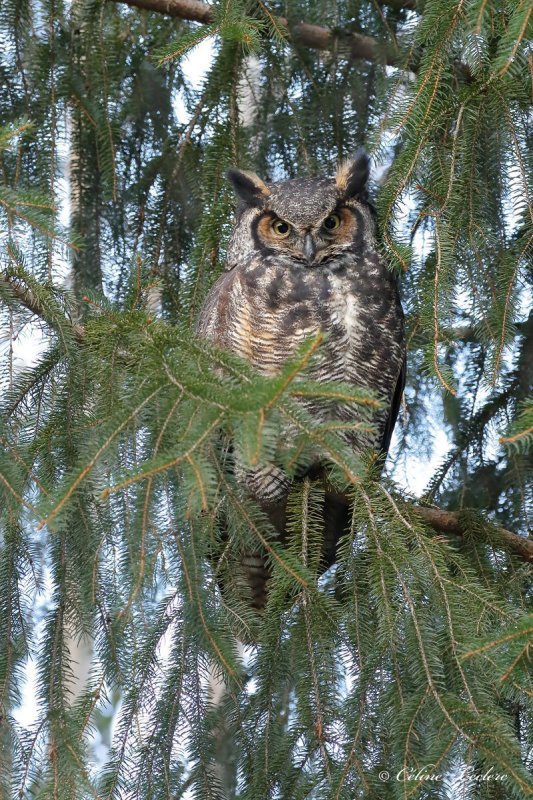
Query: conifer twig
x=27 y=299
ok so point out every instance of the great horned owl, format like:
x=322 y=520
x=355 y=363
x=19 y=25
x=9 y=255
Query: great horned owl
x=303 y=258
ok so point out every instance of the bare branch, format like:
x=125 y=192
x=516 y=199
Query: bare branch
x=316 y=37
x=193 y=10
x=398 y=5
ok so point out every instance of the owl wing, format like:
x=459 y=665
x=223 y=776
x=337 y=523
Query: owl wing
x=390 y=422
x=212 y=322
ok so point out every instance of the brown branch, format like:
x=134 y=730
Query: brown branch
x=193 y=10
x=316 y=37
x=449 y=522
x=358 y=45
x=398 y=5
x=198 y=11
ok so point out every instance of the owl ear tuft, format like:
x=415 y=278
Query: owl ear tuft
x=249 y=188
x=352 y=175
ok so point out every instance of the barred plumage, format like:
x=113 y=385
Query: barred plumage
x=303 y=258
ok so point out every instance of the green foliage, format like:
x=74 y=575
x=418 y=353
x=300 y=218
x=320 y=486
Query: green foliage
x=229 y=22
x=520 y=436
x=122 y=519
x=22 y=205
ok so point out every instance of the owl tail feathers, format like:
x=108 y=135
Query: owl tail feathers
x=269 y=486
x=254 y=574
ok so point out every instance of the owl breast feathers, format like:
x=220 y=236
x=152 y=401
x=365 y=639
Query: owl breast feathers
x=303 y=259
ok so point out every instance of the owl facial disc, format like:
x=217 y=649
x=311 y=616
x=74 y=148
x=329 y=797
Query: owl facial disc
x=305 y=221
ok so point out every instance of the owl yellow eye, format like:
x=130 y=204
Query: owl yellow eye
x=332 y=222
x=281 y=228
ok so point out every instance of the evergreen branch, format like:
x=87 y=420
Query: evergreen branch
x=523 y=654
x=471 y=432
x=295 y=369
x=276 y=552
x=7 y=133
x=278 y=31
x=387 y=611
x=449 y=522
x=185 y=43
x=412 y=599
x=35 y=212
x=30 y=382
x=517 y=436
x=441 y=581
x=28 y=299
x=155 y=466
x=196 y=601
x=516 y=643
x=92 y=462
x=440 y=520
x=28 y=755
x=18 y=497
x=509 y=637
x=516 y=37
x=145 y=514
x=199 y=482
x=83 y=772
x=442 y=379
x=319 y=436
x=449 y=712
x=349 y=395
x=29 y=472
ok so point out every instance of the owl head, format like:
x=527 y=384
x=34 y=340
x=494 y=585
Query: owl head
x=307 y=221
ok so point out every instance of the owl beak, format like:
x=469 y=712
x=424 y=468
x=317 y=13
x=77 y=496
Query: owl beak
x=309 y=248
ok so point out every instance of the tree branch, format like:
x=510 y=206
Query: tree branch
x=192 y=10
x=316 y=37
x=449 y=522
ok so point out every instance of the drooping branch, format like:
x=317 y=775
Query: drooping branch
x=316 y=37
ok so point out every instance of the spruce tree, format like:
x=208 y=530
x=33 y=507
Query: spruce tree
x=405 y=671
